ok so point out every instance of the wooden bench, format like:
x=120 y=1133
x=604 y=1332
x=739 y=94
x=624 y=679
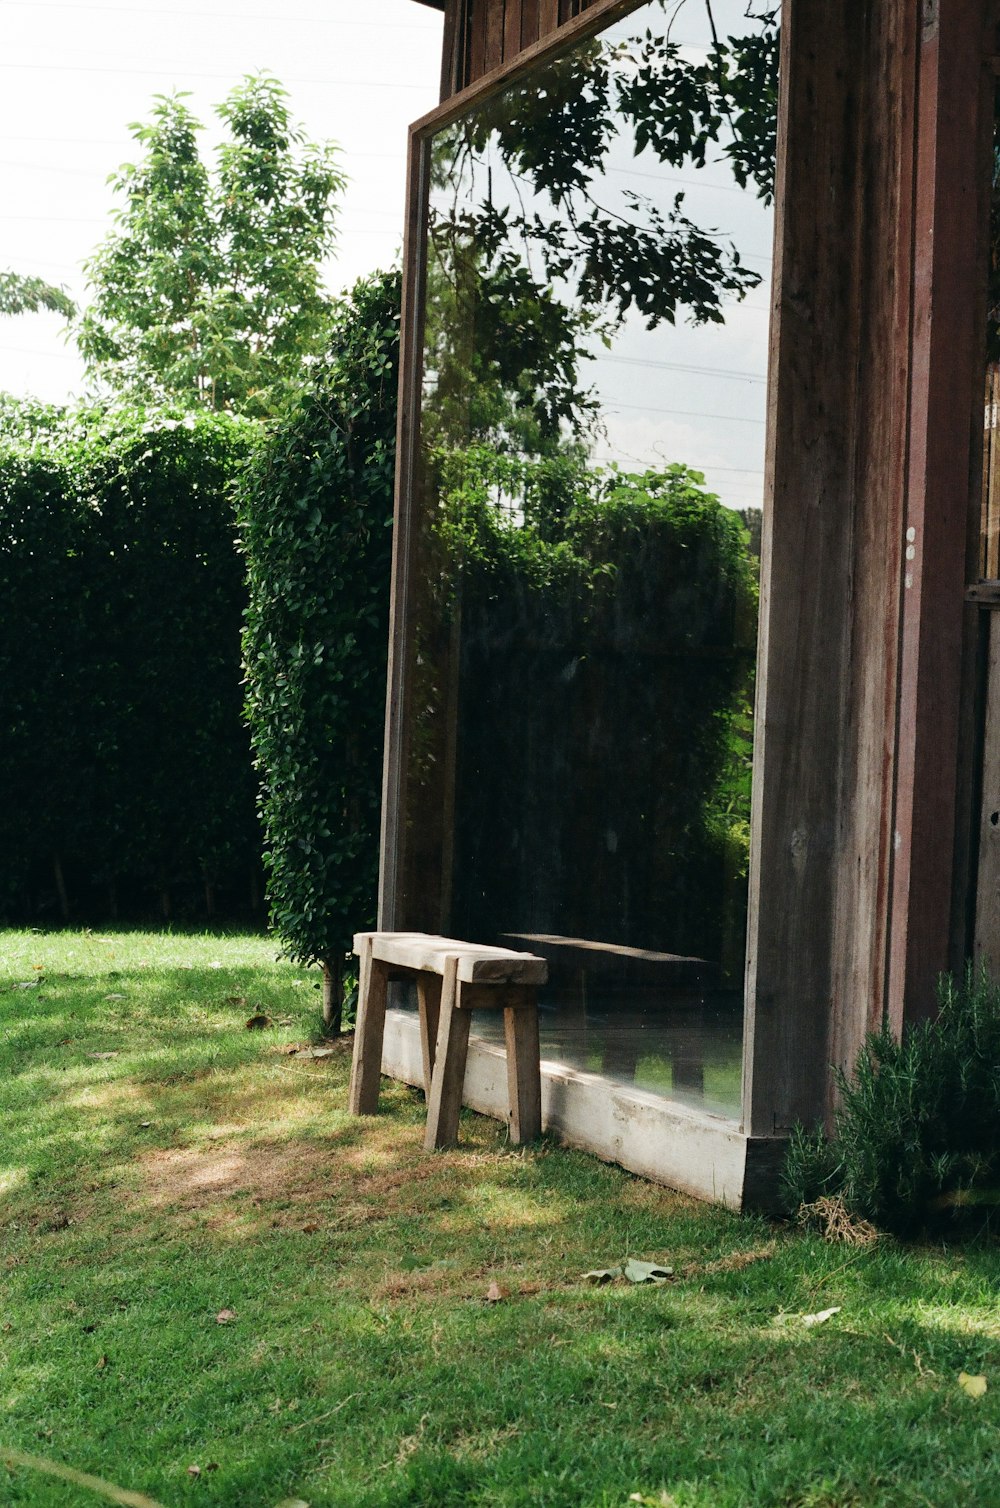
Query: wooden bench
x=453 y=979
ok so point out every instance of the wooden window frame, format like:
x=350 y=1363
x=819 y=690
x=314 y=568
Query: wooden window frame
x=861 y=790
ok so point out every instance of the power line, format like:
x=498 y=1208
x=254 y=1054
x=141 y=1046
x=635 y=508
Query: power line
x=685 y=413
x=157 y=73
x=677 y=366
x=79 y=172
x=721 y=188
x=207 y=15
x=703 y=466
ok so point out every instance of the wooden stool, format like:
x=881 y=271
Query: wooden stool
x=453 y=979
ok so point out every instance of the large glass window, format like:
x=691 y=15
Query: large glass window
x=586 y=521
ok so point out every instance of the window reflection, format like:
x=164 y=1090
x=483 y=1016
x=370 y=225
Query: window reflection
x=583 y=607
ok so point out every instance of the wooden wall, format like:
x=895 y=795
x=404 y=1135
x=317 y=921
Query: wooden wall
x=831 y=555
x=480 y=35
x=876 y=393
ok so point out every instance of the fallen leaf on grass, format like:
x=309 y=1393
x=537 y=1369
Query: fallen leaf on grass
x=194 y=1471
x=647 y=1272
x=494 y=1293
x=28 y=984
x=236 y=1000
x=114 y=997
x=599 y=1276
x=822 y=1317
x=312 y=1052
x=102 y=1362
x=975 y=1386
x=310 y=1229
x=258 y=1023
x=292 y=1503
x=225 y=1316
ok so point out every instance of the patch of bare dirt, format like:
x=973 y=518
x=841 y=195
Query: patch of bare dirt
x=196 y=1178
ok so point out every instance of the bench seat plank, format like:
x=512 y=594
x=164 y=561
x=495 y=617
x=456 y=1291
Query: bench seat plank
x=477 y=964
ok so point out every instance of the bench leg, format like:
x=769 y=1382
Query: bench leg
x=448 y=1077
x=429 y=1001
x=524 y=1080
x=366 y=1067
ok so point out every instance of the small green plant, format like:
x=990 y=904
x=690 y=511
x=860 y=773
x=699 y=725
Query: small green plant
x=917 y=1133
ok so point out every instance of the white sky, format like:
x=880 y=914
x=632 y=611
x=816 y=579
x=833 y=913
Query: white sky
x=74 y=74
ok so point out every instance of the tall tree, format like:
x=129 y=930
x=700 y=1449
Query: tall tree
x=208 y=291
x=27 y=295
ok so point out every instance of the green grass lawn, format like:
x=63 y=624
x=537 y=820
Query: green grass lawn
x=160 y=1165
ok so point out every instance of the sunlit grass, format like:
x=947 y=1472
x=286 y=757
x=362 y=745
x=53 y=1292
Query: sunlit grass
x=201 y=1169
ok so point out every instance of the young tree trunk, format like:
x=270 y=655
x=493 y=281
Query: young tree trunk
x=333 y=996
x=60 y=879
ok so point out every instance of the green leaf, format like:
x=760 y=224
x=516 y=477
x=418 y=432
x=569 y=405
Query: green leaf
x=646 y=1272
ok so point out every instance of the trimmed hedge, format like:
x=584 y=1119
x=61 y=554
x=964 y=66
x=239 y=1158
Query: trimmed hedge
x=316 y=517
x=125 y=771
x=644 y=585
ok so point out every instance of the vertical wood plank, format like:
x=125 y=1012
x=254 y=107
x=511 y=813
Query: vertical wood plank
x=529 y=22
x=448 y=1078
x=548 y=17
x=477 y=11
x=831 y=546
x=429 y=1004
x=512 y=17
x=993 y=524
x=493 y=46
x=366 y=1066
x=886 y=159
x=987 y=933
x=990 y=556
x=392 y=899
x=945 y=440
x=524 y=1082
x=452 y=50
